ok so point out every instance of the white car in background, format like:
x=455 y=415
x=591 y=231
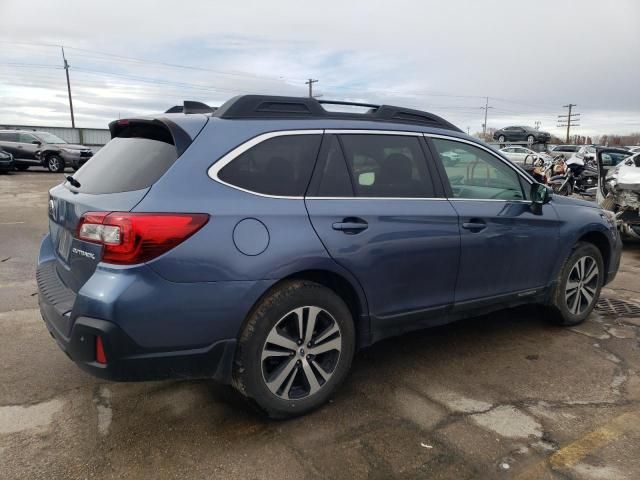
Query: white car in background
x=520 y=155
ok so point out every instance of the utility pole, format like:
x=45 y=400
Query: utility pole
x=486 y=110
x=310 y=82
x=66 y=69
x=569 y=120
x=538 y=124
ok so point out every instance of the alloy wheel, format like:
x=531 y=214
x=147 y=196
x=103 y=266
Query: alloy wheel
x=582 y=284
x=54 y=164
x=301 y=353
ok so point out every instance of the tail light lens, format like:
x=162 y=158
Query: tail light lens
x=130 y=238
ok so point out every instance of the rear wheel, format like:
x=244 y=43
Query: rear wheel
x=530 y=139
x=578 y=286
x=501 y=139
x=295 y=349
x=55 y=163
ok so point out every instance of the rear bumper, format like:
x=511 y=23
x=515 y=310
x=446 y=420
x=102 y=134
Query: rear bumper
x=152 y=341
x=127 y=361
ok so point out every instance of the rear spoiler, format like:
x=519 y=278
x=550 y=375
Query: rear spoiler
x=161 y=129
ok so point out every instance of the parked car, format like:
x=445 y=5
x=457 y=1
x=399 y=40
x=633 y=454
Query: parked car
x=35 y=148
x=619 y=187
x=521 y=134
x=6 y=161
x=520 y=155
x=264 y=243
x=586 y=153
x=566 y=151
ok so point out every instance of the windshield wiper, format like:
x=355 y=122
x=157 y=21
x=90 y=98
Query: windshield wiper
x=72 y=181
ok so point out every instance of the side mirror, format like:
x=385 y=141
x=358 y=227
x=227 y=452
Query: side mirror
x=36 y=142
x=539 y=196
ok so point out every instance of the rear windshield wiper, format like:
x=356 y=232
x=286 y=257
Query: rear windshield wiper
x=72 y=181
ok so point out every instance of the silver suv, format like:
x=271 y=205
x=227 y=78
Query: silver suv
x=33 y=148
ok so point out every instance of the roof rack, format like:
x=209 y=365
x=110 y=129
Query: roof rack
x=274 y=107
x=190 y=107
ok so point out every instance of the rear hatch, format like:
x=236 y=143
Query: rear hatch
x=116 y=179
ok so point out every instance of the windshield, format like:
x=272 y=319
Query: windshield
x=49 y=138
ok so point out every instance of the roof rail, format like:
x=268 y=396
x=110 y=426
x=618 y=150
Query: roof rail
x=190 y=107
x=267 y=106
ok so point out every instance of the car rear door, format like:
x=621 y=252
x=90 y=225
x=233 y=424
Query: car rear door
x=506 y=248
x=374 y=204
x=27 y=146
x=9 y=143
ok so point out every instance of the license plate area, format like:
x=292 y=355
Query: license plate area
x=64 y=244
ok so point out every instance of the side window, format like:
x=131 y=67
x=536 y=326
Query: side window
x=331 y=177
x=478 y=174
x=26 y=138
x=387 y=166
x=278 y=166
x=8 y=137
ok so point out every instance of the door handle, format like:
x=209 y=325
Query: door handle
x=475 y=225
x=351 y=225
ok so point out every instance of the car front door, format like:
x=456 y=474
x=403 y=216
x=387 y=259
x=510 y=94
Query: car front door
x=380 y=215
x=506 y=248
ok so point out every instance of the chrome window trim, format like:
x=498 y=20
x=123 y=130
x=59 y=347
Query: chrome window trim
x=478 y=145
x=240 y=149
x=376 y=198
x=372 y=132
x=227 y=158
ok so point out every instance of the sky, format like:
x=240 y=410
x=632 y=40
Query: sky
x=140 y=57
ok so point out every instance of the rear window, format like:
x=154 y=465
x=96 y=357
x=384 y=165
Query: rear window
x=127 y=164
x=278 y=166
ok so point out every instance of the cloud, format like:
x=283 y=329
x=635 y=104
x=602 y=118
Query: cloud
x=530 y=59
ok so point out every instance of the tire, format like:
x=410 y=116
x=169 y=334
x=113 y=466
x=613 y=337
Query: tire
x=563 y=304
x=530 y=139
x=22 y=168
x=277 y=378
x=55 y=163
x=501 y=139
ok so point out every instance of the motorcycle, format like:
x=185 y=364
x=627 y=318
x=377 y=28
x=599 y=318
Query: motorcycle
x=585 y=175
x=560 y=177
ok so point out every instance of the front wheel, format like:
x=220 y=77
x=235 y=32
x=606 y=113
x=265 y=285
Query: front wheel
x=295 y=349
x=55 y=163
x=501 y=139
x=578 y=285
x=530 y=139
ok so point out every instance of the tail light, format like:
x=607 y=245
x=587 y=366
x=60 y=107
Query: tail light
x=130 y=238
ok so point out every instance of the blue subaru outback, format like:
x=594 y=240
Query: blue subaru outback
x=264 y=242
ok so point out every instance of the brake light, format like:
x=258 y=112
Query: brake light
x=130 y=238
